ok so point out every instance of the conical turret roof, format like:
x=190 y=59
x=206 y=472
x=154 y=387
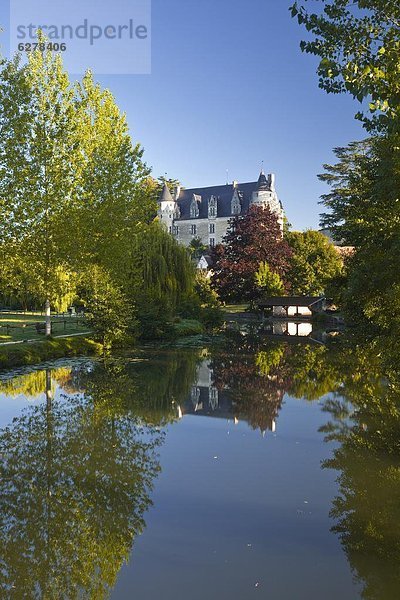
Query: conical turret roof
x=262 y=183
x=166 y=194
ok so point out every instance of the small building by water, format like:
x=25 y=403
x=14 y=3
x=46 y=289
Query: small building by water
x=293 y=306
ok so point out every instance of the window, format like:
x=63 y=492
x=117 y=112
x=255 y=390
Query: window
x=194 y=206
x=212 y=207
x=212 y=227
x=236 y=207
x=176 y=230
x=193 y=229
x=212 y=242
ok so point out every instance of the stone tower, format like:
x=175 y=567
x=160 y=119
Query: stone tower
x=168 y=209
x=265 y=195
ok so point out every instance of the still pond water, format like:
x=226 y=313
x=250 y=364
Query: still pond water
x=267 y=472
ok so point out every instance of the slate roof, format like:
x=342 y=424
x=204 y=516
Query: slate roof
x=207 y=258
x=166 y=194
x=262 y=183
x=224 y=193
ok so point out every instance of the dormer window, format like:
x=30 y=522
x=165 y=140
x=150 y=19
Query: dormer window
x=236 y=205
x=212 y=207
x=194 y=206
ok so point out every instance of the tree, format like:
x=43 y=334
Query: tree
x=172 y=184
x=252 y=239
x=74 y=489
x=197 y=248
x=364 y=211
x=366 y=458
x=161 y=278
x=107 y=310
x=314 y=262
x=39 y=164
x=268 y=282
x=73 y=187
x=75 y=193
x=358 y=42
x=114 y=198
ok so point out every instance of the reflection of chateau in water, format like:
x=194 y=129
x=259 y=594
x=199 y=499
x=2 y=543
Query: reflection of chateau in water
x=206 y=400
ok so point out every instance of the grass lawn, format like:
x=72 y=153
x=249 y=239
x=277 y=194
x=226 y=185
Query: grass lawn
x=17 y=355
x=235 y=308
x=18 y=327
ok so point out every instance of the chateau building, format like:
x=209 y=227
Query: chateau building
x=205 y=212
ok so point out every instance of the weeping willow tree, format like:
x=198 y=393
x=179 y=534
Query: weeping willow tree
x=162 y=276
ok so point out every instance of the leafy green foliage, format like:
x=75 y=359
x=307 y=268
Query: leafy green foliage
x=187 y=327
x=82 y=468
x=197 y=248
x=107 y=311
x=314 y=262
x=204 y=290
x=73 y=187
x=114 y=183
x=268 y=282
x=358 y=43
x=161 y=279
x=38 y=168
x=364 y=210
x=365 y=424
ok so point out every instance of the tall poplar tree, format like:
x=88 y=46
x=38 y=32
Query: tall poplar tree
x=73 y=186
x=114 y=197
x=39 y=164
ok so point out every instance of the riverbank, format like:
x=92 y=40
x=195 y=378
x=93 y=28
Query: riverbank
x=32 y=353
x=182 y=333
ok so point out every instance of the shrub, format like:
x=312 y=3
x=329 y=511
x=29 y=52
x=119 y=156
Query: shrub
x=188 y=327
x=211 y=317
x=107 y=311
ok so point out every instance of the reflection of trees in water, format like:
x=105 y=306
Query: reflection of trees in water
x=256 y=393
x=75 y=478
x=367 y=511
x=152 y=384
x=76 y=474
x=363 y=383
x=33 y=384
x=258 y=374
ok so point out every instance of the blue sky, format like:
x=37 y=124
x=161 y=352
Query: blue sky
x=230 y=88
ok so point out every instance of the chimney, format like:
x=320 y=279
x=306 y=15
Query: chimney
x=235 y=184
x=272 y=182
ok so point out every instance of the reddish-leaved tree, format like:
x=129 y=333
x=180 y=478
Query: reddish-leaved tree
x=251 y=239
